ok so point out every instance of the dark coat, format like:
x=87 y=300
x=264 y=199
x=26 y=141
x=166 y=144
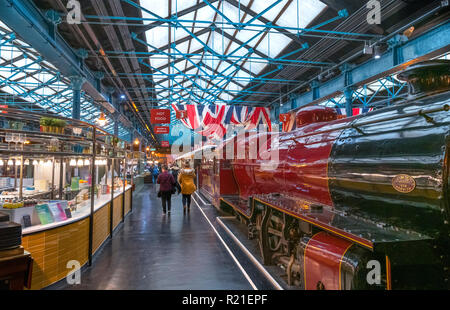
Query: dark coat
x=166 y=181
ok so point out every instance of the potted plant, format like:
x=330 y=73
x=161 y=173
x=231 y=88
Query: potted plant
x=59 y=125
x=115 y=141
x=45 y=123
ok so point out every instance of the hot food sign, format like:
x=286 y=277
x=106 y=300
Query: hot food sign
x=160 y=116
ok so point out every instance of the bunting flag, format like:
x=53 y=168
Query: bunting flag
x=356 y=111
x=212 y=119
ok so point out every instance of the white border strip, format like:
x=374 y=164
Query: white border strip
x=227 y=248
x=252 y=258
x=204 y=202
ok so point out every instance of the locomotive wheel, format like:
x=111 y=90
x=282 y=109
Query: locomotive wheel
x=271 y=233
x=275 y=229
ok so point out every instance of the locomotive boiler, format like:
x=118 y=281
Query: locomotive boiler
x=354 y=203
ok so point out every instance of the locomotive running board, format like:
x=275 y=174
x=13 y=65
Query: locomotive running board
x=247 y=252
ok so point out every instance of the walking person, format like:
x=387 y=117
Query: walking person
x=186 y=179
x=166 y=189
x=155 y=173
x=175 y=170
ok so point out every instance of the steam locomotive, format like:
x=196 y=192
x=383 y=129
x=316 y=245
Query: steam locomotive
x=354 y=203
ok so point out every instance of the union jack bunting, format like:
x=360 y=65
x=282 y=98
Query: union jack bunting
x=212 y=119
x=356 y=111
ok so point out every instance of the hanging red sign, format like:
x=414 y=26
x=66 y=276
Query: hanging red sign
x=181 y=114
x=160 y=116
x=285 y=117
x=160 y=130
x=3 y=107
x=165 y=144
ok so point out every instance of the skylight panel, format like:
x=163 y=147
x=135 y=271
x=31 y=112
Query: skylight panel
x=158 y=62
x=273 y=44
x=307 y=10
x=182 y=47
x=160 y=8
x=195 y=44
x=271 y=14
x=254 y=66
x=236 y=51
x=157 y=38
x=180 y=5
x=218 y=43
x=231 y=12
x=206 y=13
x=182 y=64
x=45 y=77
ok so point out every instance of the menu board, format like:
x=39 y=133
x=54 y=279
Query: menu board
x=44 y=214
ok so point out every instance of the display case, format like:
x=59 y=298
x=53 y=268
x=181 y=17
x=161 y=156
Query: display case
x=61 y=177
x=136 y=171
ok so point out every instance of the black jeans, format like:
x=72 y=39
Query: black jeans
x=166 y=198
x=186 y=200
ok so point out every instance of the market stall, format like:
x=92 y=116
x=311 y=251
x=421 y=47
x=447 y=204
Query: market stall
x=67 y=183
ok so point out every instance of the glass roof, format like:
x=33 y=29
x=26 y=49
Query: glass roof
x=25 y=77
x=187 y=51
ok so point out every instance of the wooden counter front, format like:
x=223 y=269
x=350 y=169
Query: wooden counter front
x=52 y=249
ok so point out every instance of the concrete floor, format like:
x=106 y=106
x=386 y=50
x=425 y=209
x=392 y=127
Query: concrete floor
x=155 y=251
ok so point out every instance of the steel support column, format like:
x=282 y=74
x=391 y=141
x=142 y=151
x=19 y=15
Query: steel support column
x=76 y=83
x=348 y=93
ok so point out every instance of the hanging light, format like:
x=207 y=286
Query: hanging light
x=101 y=120
x=136 y=141
x=35 y=162
x=73 y=162
x=87 y=162
x=79 y=162
x=27 y=162
x=41 y=162
x=18 y=162
x=48 y=163
x=377 y=52
x=10 y=162
x=368 y=50
x=1 y=162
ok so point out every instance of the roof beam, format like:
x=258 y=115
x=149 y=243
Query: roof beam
x=187 y=38
x=430 y=44
x=239 y=42
x=264 y=20
x=179 y=14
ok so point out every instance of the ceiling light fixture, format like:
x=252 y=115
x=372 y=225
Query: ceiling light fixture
x=377 y=52
x=367 y=50
x=101 y=120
